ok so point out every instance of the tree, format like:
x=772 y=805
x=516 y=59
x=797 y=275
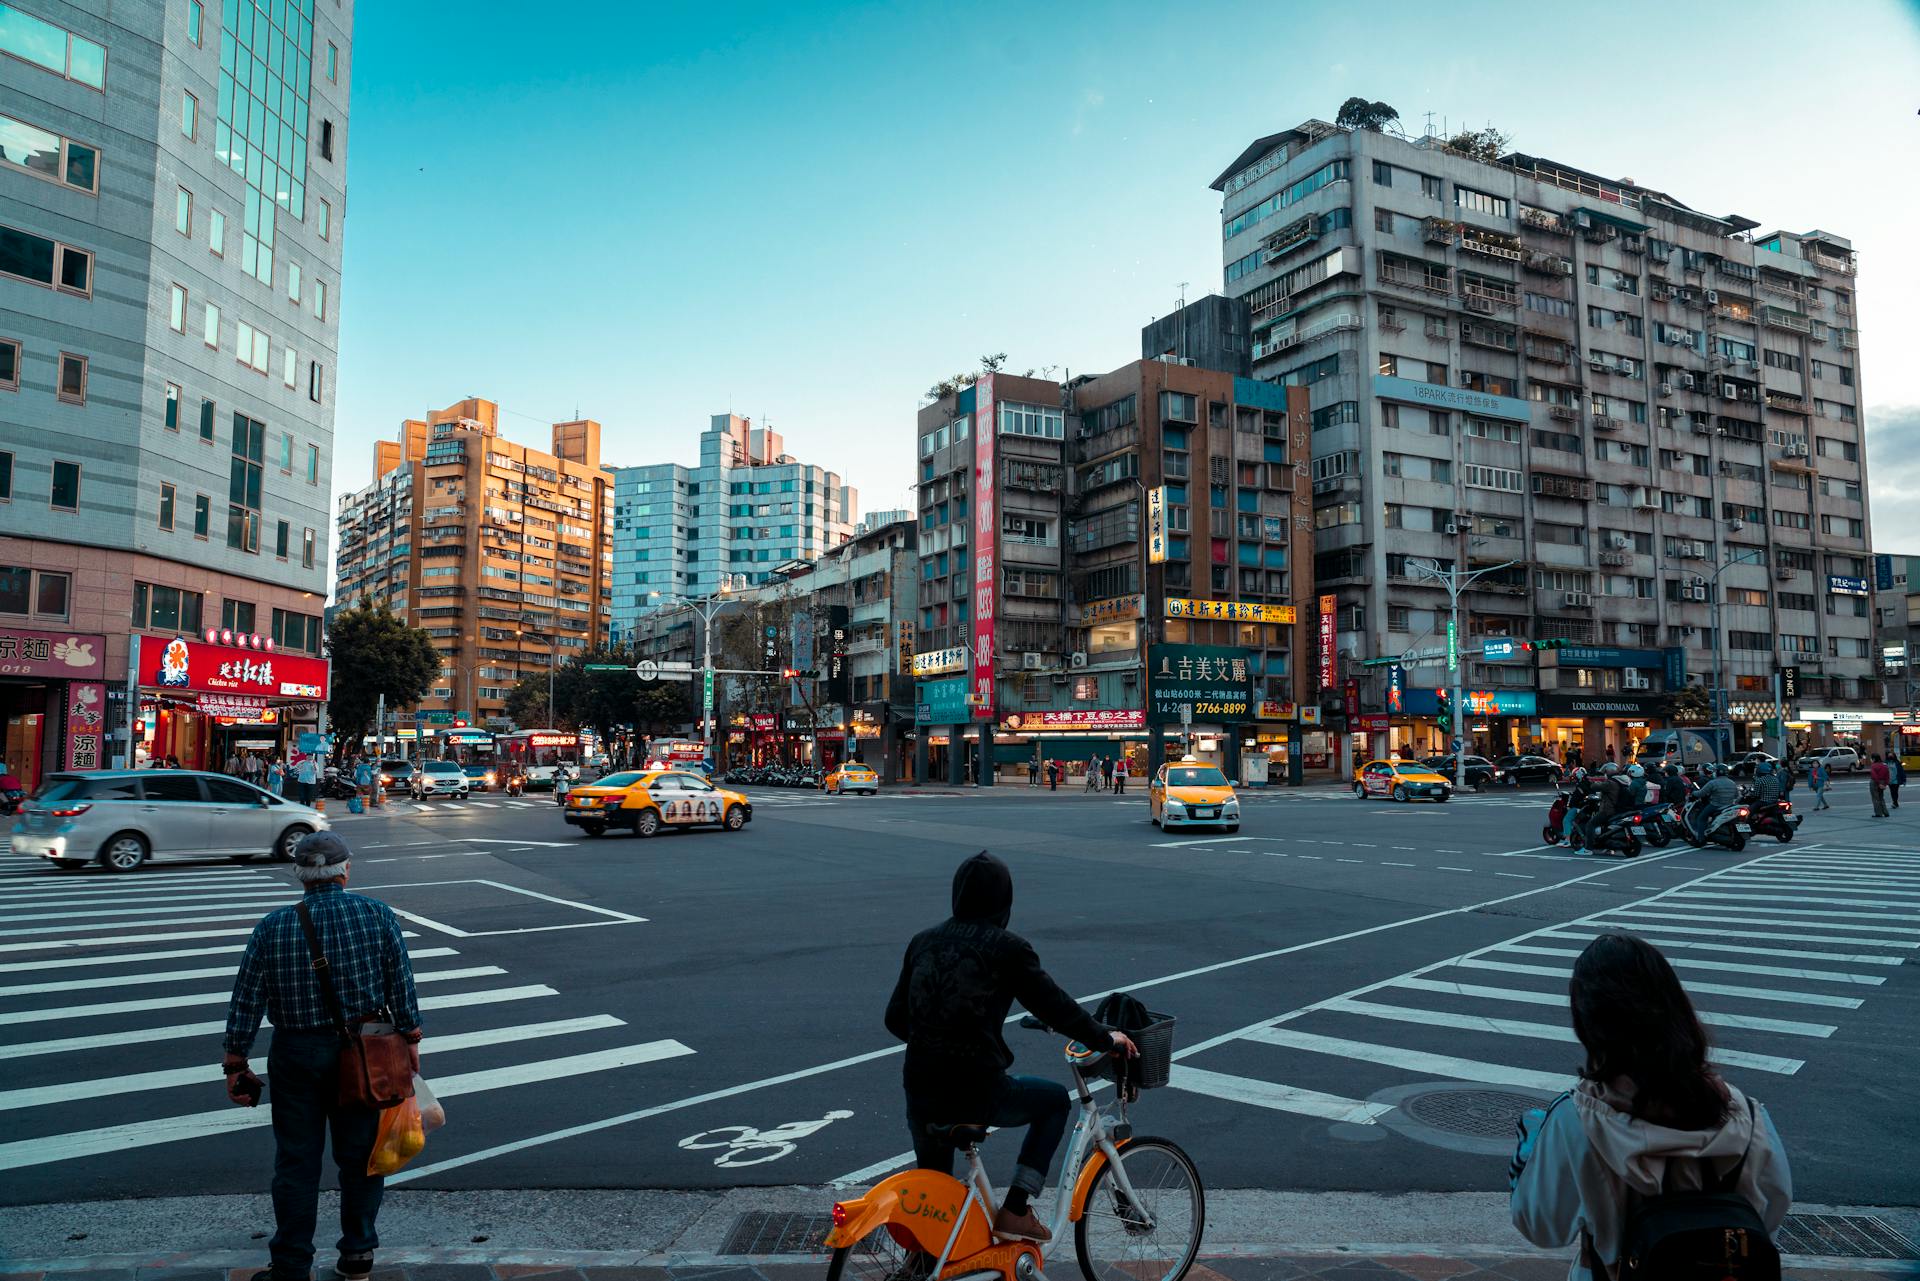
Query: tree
x=1358 y=113
x=1689 y=705
x=527 y=703
x=663 y=706
x=376 y=654
x=601 y=701
x=1487 y=144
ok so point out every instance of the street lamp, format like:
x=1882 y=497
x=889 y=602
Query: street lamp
x=553 y=647
x=1711 y=582
x=1456 y=581
x=707 y=607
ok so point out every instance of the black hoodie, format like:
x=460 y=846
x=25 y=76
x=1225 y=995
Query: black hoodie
x=956 y=985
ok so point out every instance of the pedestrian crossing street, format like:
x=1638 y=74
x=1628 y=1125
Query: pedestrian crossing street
x=113 y=996
x=1781 y=953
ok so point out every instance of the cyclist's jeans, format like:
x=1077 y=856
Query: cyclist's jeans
x=1033 y=1101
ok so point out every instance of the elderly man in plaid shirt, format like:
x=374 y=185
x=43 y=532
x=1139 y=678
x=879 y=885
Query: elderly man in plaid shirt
x=371 y=973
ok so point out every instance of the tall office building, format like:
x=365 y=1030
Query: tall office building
x=747 y=508
x=1640 y=420
x=502 y=553
x=172 y=205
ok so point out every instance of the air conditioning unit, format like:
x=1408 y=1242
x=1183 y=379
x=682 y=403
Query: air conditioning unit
x=1729 y=391
x=1712 y=296
x=1455 y=529
x=1697 y=592
x=1078 y=658
x=1783 y=573
x=1602 y=422
x=1030 y=662
x=1700 y=550
x=1689 y=381
x=1635 y=680
x=1666 y=389
x=1679 y=339
x=1700 y=427
x=1798 y=449
x=1736 y=525
x=1619 y=542
x=1576 y=600
x=1686 y=633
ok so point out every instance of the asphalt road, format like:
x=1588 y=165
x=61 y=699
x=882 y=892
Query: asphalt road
x=1367 y=992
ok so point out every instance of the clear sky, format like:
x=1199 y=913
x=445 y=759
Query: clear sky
x=651 y=212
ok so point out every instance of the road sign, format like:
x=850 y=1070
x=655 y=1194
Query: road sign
x=1186 y=713
x=647 y=670
x=706 y=698
x=1458 y=743
x=1453 y=645
x=604 y=667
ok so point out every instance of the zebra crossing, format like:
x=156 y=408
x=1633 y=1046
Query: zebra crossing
x=113 y=995
x=1780 y=953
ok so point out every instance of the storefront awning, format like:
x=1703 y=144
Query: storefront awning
x=227 y=680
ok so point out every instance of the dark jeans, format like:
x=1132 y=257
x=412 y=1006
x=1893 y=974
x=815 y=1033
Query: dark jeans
x=306 y=792
x=1032 y=1101
x=1894 y=790
x=301 y=1072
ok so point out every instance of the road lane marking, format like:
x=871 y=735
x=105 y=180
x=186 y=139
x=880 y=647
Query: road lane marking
x=105 y=925
x=1211 y=840
x=1445 y=868
x=129 y=958
x=1782 y=995
x=1412 y=1060
x=627 y=1118
x=1536 y=1031
x=494 y=840
x=197 y=998
x=1730 y=967
x=1739 y=896
x=1654 y=927
x=157 y=883
x=1753 y=903
x=1850 y=958
x=1396 y=864
x=141 y=1082
x=117 y=940
x=114 y=1138
x=161 y=976
x=262 y=899
x=1279 y=1098
x=1738 y=918
x=1520 y=996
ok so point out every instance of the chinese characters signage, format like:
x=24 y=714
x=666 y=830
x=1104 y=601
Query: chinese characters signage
x=1089 y=718
x=905 y=642
x=942 y=702
x=86 y=724
x=1441 y=396
x=1329 y=664
x=1212 y=680
x=1157 y=524
x=934 y=662
x=1229 y=611
x=1100 y=611
x=986 y=547
x=191 y=666
x=61 y=655
x=1270 y=709
x=1842 y=585
x=839 y=674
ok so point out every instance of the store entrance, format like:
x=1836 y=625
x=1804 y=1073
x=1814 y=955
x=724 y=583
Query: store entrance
x=29 y=713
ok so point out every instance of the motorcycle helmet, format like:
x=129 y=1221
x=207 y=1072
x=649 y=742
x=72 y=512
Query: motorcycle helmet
x=1766 y=767
x=1609 y=769
x=1578 y=776
x=1636 y=771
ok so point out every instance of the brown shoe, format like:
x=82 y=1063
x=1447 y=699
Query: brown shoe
x=1020 y=1227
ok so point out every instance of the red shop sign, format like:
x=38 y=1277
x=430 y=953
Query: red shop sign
x=60 y=655
x=193 y=666
x=1089 y=718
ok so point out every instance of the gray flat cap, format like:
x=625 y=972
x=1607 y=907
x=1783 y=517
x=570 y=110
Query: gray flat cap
x=321 y=849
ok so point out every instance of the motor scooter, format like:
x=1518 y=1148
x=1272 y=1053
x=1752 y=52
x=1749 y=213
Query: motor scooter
x=1618 y=834
x=1776 y=820
x=1730 y=827
x=516 y=783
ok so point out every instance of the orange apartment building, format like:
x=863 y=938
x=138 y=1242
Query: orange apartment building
x=502 y=553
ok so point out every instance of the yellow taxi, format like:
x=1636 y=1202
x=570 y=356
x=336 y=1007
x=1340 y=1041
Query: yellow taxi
x=1189 y=793
x=645 y=801
x=852 y=776
x=1401 y=780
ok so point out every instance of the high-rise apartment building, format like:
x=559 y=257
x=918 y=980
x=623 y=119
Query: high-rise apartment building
x=501 y=552
x=748 y=508
x=172 y=206
x=1639 y=422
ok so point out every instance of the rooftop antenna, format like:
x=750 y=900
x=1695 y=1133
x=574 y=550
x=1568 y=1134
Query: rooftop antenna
x=1183 y=321
x=1429 y=124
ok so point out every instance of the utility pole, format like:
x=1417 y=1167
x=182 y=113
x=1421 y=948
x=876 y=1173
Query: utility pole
x=1456 y=581
x=707 y=607
x=1712 y=584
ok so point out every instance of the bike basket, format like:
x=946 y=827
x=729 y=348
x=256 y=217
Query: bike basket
x=1154 y=1067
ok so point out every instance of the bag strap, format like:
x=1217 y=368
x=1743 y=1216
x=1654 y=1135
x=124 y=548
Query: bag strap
x=322 y=972
x=1731 y=1179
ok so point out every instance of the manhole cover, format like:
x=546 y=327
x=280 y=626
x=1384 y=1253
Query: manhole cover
x=770 y=1232
x=1846 y=1236
x=1477 y=1114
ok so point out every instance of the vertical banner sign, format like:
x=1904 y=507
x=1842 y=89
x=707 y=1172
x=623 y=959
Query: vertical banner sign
x=773 y=645
x=1453 y=645
x=1790 y=684
x=906 y=649
x=706 y=697
x=1353 y=700
x=1328 y=666
x=1157 y=524
x=802 y=628
x=1396 y=690
x=986 y=546
x=839 y=673
x=86 y=724
x=1300 y=540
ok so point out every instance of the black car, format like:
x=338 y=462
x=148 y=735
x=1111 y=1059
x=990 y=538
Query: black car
x=1531 y=770
x=1481 y=772
x=1744 y=765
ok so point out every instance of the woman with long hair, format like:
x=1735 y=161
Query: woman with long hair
x=1650 y=1115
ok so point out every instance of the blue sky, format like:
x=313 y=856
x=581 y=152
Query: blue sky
x=649 y=213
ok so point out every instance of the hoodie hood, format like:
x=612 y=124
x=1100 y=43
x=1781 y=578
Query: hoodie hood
x=1638 y=1151
x=983 y=891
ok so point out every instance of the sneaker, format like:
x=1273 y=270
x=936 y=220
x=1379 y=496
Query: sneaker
x=1020 y=1227
x=355 y=1267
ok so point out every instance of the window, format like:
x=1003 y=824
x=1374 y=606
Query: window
x=210 y=329
x=39 y=42
x=217 y=233
x=286 y=451
x=1429 y=186
x=166 y=506
x=1178 y=407
x=9 y=364
x=48 y=155
x=326 y=139
x=290 y=368
x=73 y=378
x=326 y=220
x=193 y=20
x=237 y=615
x=316 y=381
x=313 y=464
x=183 y=212
x=1383 y=220
x=6 y=478
x=1481 y=202
x=243 y=492
x=1382 y=174
x=206 y=420
x=202 y=515
x=189 y=114
x=1046 y=422
x=1501 y=478
x=40 y=261
x=165 y=609
x=65 y=493
x=1333 y=171
x=333 y=63
x=252 y=348
x=306 y=549
x=319 y=300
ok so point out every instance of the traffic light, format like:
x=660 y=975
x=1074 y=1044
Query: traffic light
x=1444 y=711
x=790 y=673
x=1560 y=643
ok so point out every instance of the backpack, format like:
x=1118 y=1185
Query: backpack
x=1714 y=1234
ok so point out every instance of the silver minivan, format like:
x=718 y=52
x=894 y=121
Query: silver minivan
x=122 y=818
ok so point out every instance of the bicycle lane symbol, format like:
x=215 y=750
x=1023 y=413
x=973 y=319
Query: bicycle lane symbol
x=747 y=1146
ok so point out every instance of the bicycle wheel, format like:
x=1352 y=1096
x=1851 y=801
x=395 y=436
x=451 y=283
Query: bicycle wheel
x=879 y=1258
x=1151 y=1236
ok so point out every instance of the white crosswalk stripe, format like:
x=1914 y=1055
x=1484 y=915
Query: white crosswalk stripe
x=92 y=966
x=1754 y=942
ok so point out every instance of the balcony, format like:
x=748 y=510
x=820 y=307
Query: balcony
x=1735 y=270
x=1549 y=353
x=1438 y=231
x=1780 y=318
x=1734 y=311
x=1541 y=220
x=1301 y=231
x=1563 y=413
x=1848 y=338
x=1546 y=485
x=1829 y=262
x=1616 y=560
x=1488 y=295
x=1490 y=244
x=1331 y=325
x=1787 y=402
x=1493 y=336
x=1549 y=264
x=1430 y=282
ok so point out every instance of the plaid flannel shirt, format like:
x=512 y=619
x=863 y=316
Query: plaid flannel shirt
x=366 y=958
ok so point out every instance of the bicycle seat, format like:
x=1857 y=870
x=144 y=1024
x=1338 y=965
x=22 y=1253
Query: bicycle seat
x=960 y=1135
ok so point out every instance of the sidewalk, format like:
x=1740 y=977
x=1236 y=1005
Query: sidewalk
x=773 y=1234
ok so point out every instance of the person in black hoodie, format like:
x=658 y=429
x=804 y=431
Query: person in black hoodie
x=956 y=984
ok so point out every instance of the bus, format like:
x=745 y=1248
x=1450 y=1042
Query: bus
x=1907 y=743
x=676 y=753
x=536 y=753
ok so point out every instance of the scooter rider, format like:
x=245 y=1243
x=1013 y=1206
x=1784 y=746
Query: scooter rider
x=1718 y=794
x=1676 y=787
x=1608 y=793
x=1636 y=787
x=1578 y=788
x=1766 y=785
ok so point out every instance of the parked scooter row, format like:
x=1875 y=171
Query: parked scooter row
x=1626 y=831
x=774 y=776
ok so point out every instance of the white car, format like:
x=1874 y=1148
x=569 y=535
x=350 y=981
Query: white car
x=121 y=819
x=440 y=778
x=1839 y=760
